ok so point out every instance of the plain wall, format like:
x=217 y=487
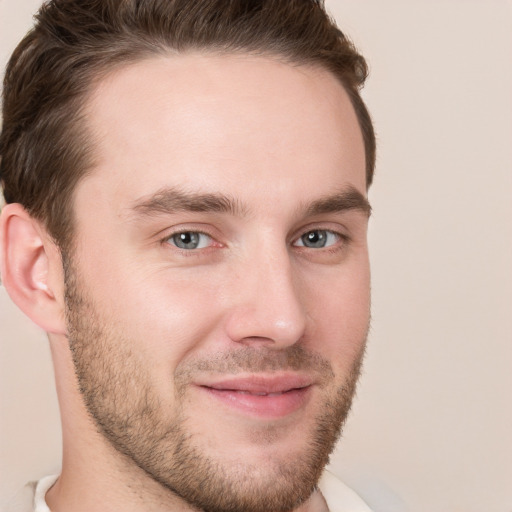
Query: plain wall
x=431 y=429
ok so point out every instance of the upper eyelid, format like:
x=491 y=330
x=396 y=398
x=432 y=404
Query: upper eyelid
x=341 y=236
x=338 y=230
x=168 y=232
x=179 y=232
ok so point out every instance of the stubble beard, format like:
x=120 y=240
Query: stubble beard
x=117 y=392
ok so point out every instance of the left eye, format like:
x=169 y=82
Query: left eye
x=190 y=240
x=317 y=239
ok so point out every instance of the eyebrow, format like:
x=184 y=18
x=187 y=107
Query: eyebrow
x=345 y=200
x=172 y=200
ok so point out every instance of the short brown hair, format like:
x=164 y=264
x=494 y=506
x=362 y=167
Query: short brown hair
x=44 y=149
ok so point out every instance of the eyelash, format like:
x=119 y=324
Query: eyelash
x=189 y=252
x=332 y=246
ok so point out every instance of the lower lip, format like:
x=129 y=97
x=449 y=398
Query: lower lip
x=264 y=406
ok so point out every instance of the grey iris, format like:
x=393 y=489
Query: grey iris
x=188 y=240
x=315 y=239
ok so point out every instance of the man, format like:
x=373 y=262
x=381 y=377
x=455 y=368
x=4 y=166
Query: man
x=186 y=217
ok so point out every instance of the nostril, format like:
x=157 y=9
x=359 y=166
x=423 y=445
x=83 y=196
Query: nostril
x=256 y=341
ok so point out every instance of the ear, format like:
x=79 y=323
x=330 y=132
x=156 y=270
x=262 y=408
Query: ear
x=31 y=269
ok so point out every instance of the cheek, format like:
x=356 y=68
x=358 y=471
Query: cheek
x=163 y=315
x=340 y=315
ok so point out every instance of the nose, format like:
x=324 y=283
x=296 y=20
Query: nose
x=267 y=303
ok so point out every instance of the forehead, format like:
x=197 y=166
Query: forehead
x=221 y=121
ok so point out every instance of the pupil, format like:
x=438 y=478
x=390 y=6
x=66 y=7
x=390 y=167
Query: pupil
x=315 y=239
x=187 y=240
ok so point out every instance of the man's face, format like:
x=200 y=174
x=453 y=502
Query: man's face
x=218 y=296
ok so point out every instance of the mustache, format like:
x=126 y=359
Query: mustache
x=258 y=360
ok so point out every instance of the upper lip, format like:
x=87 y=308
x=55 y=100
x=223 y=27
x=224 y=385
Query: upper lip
x=261 y=383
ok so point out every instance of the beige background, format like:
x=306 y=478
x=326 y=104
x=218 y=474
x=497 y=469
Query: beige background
x=431 y=430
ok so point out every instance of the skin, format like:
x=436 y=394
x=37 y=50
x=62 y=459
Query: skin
x=150 y=324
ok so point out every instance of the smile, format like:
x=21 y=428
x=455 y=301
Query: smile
x=261 y=397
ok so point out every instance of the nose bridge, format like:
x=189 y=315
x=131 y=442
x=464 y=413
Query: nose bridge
x=268 y=305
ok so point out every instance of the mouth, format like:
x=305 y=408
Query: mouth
x=262 y=397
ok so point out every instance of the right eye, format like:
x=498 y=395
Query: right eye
x=318 y=239
x=190 y=240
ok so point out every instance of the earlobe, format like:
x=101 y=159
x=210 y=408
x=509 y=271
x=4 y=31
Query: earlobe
x=31 y=268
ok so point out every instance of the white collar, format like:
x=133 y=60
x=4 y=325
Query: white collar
x=338 y=496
